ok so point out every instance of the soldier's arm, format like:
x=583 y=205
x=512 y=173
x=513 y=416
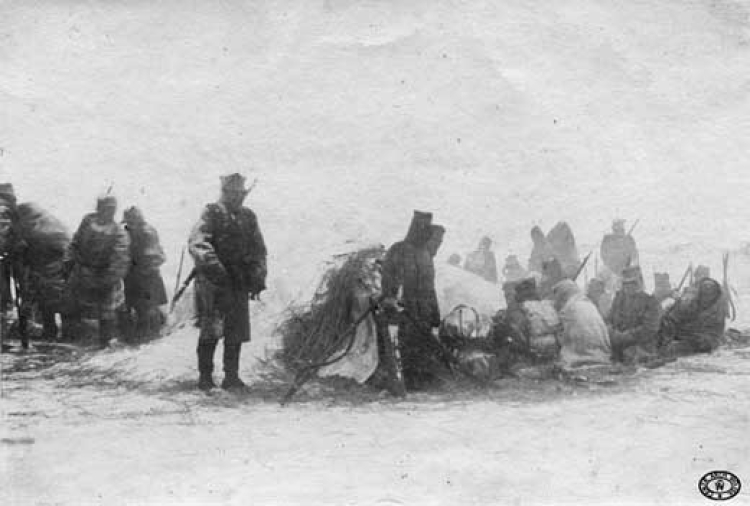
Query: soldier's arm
x=71 y=252
x=156 y=257
x=258 y=267
x=202 y=251
x=120 y=257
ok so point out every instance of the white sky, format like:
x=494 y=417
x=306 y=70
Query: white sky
x=495 y=115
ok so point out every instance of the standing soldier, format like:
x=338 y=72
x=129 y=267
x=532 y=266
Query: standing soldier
x=482 y=262
x=230 y=261
x=99 y=254
x=564 y=249
x=144 y=286
x=541 y=252
x=409 y=274
x=618 y=249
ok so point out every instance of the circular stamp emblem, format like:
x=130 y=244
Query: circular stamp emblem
x=719 y=485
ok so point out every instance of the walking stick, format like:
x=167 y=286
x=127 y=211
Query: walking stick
x=731 y=308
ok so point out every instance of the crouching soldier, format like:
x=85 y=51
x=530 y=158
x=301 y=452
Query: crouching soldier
x=230 y=260
x=99 y=255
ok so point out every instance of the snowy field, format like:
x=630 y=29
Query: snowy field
x=496 y=116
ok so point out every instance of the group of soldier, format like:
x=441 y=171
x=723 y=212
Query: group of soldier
x=107 y=273
x=107 y=276
x=111 y=268
x=548 y=318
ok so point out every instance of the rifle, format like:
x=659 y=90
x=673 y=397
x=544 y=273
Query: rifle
x=182 y=289
x=583 y=264
x=307 y=372
x=630 y=232
x=179 y=271
x=731 y=308
x=684 y=277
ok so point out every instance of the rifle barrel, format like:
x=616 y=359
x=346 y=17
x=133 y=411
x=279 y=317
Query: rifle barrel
x=179 y=271
x=633 y=227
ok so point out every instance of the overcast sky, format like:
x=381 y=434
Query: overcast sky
x=495 y=115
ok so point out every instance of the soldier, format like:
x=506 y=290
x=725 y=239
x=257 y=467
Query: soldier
x=408 y=268
x=482 y=262
x=662 y=287
x=454 y=260
x=144 y=286
x=230 y=261
x=618 y=249
x=701 y=272
x=552 y=273
x=99 y=258
x=541 y=251
x=696 y=323
x=564 y=249
x=45 y=241
x=512 y=271
x=634 y=320
x=584 y=339
x=436 y=239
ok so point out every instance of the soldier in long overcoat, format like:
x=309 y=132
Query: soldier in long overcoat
x=230 y=260
x=144 y=286
x=618 y=249
x=100 y=256
x=408 y=271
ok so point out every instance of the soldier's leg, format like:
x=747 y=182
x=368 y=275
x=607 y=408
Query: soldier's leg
x=232 y=366
x=24 y=316
x=153 y=321
x=49 y=324
x=206 y=349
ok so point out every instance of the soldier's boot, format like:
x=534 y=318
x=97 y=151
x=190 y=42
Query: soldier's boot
x=106 y=332
x=206 y=351
x=231 y=367
x=23 y=331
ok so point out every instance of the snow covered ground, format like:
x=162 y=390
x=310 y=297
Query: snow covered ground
x=494 y=115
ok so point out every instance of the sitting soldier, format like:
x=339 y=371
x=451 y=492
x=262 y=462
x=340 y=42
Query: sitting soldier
x=539 y=322
x=526 y=332
x=634 y=320
x=695 y=324
x=584 y=340
x=662 y=286
x=597 y=293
